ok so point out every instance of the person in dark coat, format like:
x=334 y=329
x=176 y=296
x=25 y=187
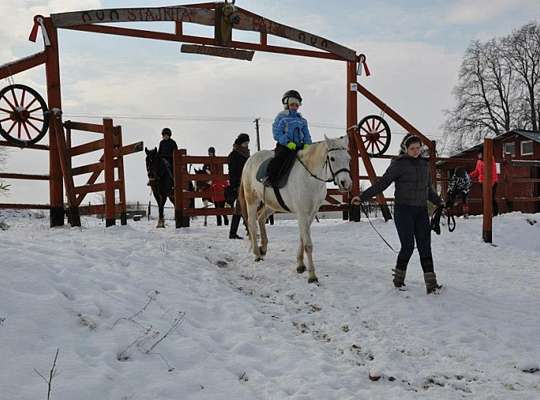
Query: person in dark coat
x=413 y=189
x=167 y=146
x=458 y=189
x=237 y=158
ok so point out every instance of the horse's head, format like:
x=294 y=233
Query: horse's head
x=339 y=160
x=153 y=162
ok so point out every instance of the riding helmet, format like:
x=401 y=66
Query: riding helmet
x=212 y=150
x=290 y=93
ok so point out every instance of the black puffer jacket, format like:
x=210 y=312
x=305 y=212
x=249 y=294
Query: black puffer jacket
x=237 y=159
x=412 y=179
x=167 y=148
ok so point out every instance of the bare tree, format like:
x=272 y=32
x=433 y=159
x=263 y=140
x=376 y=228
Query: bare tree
x=498 y=89
x=522 y=52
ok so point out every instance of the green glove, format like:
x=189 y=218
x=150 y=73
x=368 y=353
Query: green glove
x=291 y=146
x=306 y=146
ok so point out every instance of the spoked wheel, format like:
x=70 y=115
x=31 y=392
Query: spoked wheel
x=23 y=115
x=375 y=134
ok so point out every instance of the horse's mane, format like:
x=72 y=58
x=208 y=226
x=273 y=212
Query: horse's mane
x=314 y=154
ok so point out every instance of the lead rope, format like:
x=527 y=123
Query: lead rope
x=375 y=229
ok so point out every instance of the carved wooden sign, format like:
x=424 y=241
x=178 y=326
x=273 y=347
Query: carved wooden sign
x=253 y=22
x=218 y=51
x=146 y=14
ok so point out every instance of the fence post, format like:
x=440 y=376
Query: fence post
x=121 y=176
x=108 y=132
x=179 y=166
x=487 y=232
x=508 y=177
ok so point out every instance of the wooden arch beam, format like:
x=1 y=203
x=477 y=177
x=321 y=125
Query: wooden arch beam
x=204 y=15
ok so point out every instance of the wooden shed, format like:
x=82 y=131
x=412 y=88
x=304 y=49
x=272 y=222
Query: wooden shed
x=517 y=155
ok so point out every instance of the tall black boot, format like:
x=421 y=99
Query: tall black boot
x=234 y=227
x=218 y=217
x=399 y=272
x=226 y=220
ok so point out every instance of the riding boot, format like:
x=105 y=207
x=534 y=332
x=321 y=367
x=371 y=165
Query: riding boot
x=226 y=220
x=218 y=217
x=399 y=272
x=431 y=283
x=234 y=227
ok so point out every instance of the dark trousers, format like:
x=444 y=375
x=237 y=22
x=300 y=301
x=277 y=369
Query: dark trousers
x=283 y=160
x=221 y=204
x=412 y=224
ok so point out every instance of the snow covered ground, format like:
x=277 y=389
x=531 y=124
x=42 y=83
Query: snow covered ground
x=141 y=313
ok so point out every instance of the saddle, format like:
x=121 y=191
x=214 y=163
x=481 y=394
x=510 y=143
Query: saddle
x=262 y=173
x=262 y=176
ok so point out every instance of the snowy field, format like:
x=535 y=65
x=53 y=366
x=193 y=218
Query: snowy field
x=140 y=313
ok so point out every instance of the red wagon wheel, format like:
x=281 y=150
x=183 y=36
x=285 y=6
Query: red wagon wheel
x=23 y=115
x=375 y=134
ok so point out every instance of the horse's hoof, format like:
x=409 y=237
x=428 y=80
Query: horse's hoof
x=313 y=279
x=263 y=252
x=257 y=259
x=301 y=269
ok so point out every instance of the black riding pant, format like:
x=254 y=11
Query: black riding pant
x=283 y=160
x=412 y=224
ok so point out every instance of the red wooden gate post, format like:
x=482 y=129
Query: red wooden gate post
x=352 y=120
x=54 y=97
x=180 y=169
x=487 y=191
x=108 y=131
x=121 y=176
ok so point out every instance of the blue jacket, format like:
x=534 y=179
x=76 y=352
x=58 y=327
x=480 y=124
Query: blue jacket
x=290 y=126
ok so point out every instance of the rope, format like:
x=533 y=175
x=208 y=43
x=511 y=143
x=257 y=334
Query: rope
x=375 y=229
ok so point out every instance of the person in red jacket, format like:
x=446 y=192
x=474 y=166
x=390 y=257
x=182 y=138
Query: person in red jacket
x=479 y=172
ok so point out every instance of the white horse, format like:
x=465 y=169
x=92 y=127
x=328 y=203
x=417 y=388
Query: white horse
x=303 y=194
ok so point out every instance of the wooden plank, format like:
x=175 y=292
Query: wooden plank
x=28 y=146
x=180 y=169
x=87 y=147
x=65 y=166
x=24 y=206
x=207 y=177
x=331 y=200
x=253 y=22
x=97 y=209
x=330 y=208
x=84 y=126
x=95 y=187
x=487 y=220
x=223 y=52
x=7 y=175
x=172 y=37
x=109 y=171
x=128 y=149
x=206 y=160
x=22 y=64
x=525 y=163
x=119 y=163
x=88 y=168
x=143 y=14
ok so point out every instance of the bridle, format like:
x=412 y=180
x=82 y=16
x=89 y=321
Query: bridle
x=327 y=165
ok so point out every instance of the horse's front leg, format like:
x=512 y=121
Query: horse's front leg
x=263 y=216
x=161 y=220
x=252 y=230
x=304 y=223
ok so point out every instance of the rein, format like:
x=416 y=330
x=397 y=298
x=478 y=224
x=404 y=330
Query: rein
x=375 y=229
x=327 y=165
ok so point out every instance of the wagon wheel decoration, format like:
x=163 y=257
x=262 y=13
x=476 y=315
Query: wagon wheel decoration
x=23 y=115
x=375 y=134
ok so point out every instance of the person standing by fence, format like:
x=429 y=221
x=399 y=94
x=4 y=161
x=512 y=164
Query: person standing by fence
x=237 y=158
x=479 y=172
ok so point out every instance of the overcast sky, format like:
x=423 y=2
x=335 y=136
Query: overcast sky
x=414 y=49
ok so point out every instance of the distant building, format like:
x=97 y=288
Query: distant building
x=517 y=154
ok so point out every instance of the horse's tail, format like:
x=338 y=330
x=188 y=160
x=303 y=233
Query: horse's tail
x=242 y=201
